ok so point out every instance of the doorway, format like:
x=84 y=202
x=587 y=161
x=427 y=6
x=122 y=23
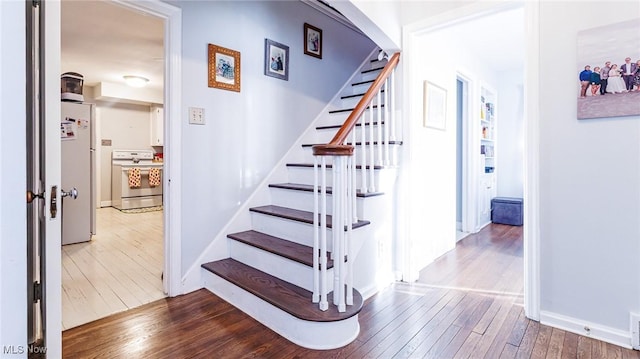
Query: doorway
x=121 y=266
x=489 y=79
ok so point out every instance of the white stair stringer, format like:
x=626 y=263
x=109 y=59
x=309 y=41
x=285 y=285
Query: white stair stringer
x=308 y=334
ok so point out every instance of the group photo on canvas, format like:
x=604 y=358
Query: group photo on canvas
x=608 y=72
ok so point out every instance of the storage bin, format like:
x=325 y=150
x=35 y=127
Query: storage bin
x=507 y=210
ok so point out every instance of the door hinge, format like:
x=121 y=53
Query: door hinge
x=37 y=292
x=36 y=3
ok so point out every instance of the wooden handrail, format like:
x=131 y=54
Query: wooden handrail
x=335 y=147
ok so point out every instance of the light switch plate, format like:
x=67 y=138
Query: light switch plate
x=196 y=116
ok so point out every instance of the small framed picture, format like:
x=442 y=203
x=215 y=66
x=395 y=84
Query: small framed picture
x=276 y=60
x=224 y=68
x=435 y=105
x=312 y=41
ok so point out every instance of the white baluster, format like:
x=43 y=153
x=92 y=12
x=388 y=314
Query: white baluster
x=372 y=187
x=379 y=127
x=324 y=303
x=352 y=182
x=392 y=108
x=386 y=122
x=316 y=235
x=363 y=149
x=350 y=219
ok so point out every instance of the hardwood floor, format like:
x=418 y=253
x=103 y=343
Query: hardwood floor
x=468 y=304
x=119 y=269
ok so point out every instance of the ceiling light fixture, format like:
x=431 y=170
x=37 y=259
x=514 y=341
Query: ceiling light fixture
x=135 y=81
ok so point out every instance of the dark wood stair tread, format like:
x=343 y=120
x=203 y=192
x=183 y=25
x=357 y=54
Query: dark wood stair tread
x=286 y=296
x=329 y=166
x=355 y=95
x=297 y=215
x=351 y=109
x=287 y=249
x=372 y=70
x=362 y=82
x=309 y=188
x=330 y=127
x=367 y=143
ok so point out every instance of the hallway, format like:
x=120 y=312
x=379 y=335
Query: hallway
x=467 y=304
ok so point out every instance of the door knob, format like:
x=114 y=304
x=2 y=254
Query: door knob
x=73 y=193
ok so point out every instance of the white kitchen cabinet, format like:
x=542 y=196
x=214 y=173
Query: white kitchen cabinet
x=157 y=126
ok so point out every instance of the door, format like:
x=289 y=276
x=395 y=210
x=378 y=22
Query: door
x=43 y=177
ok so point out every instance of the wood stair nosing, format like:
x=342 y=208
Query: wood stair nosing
x=356 y=95
x=367 y=143
x=279 y=293
x=331 y=127
x=372 y=70
x=298 y=215
x=329 y=166
x=351 y=109
x=362 y=83
x=309 y=188
x=278 y=246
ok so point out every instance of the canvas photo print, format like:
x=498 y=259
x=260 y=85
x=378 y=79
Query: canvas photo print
x=608 y=71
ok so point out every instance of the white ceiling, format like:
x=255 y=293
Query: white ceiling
x=104 y=42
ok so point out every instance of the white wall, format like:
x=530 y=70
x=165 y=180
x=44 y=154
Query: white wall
x=432 y=160
x=510 y=145
x=246 y=133
x=128 y=127
x=13 y=222
x=590 y=182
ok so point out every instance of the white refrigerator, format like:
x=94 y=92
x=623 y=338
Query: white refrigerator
x=78 y=172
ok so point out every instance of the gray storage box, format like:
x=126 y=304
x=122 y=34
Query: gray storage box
x=506 y=210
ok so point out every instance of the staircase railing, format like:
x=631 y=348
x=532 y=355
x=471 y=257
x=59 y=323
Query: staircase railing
x=375 y=136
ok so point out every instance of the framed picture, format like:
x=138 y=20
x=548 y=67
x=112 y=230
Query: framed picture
x=276 y=60
x=224 y=68
x=435 y=106
x=312 y=41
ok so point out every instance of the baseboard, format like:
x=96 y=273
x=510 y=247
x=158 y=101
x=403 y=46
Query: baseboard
x=105 y=204
x=588 y=329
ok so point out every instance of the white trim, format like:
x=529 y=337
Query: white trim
x=307 y=334
x=173 y=137
x=53 y=261
x=105 y=204
x=532 y=163
x=532 y=181
x=588 y=329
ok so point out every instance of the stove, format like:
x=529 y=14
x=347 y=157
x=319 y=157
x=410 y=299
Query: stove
x=131 y=185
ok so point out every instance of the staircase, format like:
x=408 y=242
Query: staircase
x=271 y=273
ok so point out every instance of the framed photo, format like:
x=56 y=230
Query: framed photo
x=224 y=68
x=312 y=41
x=276 y=60
x=435 y=106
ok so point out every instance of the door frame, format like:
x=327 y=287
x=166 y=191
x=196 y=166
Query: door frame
x=172 y=181
x=532 y=154
x=469 y=172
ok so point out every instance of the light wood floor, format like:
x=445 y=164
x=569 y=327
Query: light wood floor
x=119 y=269
x=468 y=304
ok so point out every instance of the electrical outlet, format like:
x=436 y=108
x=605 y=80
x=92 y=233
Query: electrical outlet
x=196 y=116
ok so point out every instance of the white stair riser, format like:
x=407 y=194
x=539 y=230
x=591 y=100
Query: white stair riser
x=303 y=200
x=325 y=135
x=293 y=231
x=275 y=265
x=304 y=175
x=312 y=335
